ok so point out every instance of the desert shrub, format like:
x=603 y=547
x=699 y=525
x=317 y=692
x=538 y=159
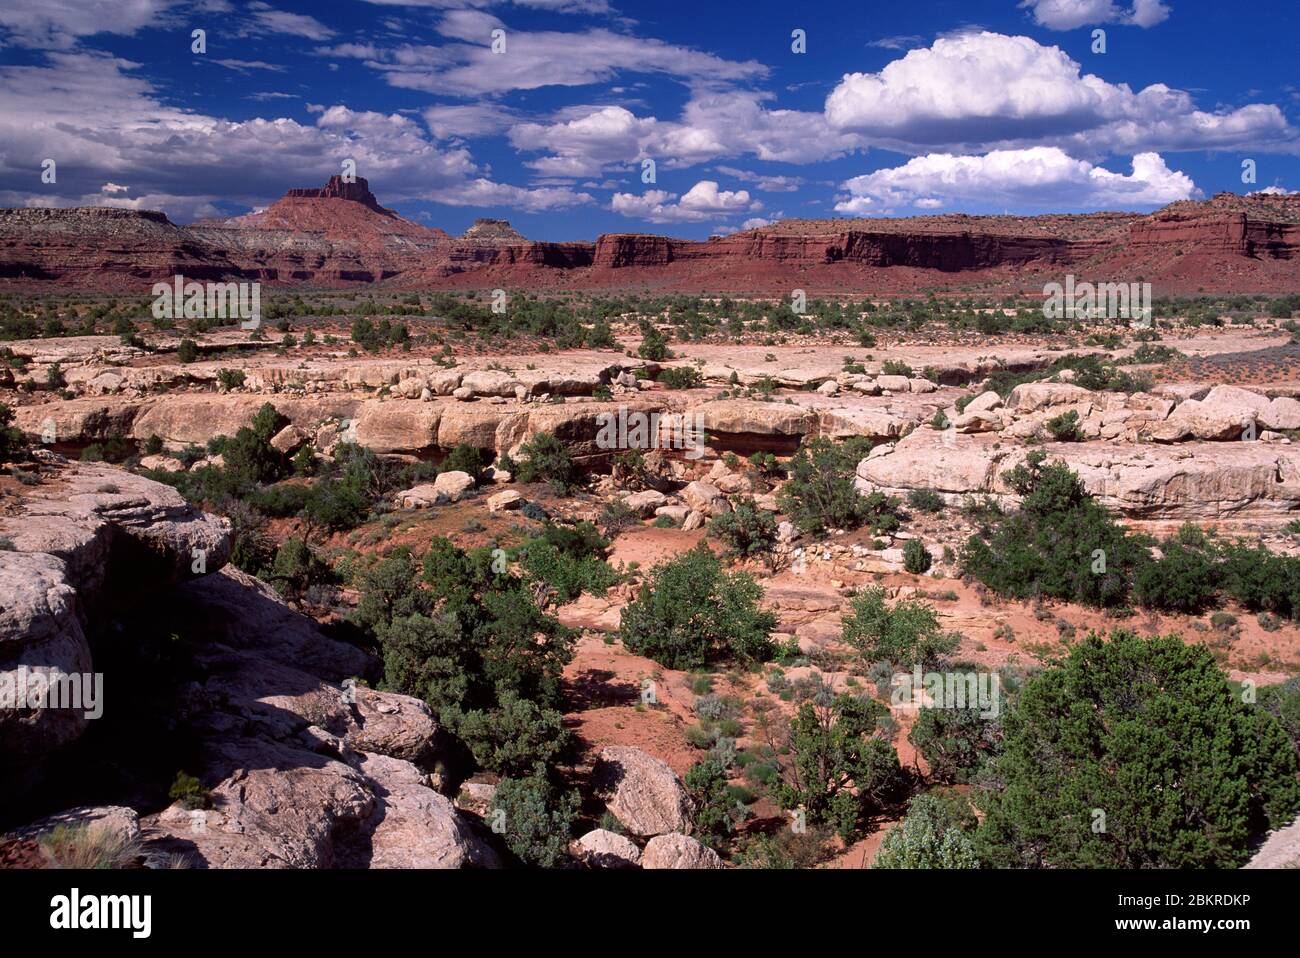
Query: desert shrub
x=546 y=460
x=837 y=770
x=513 y=737
x=907 y=634
x=925 y=500
x=654 y=345
x=820 y=495
x=189 y=791
x=616 y=517
x=571 y=560
x=464 y=458
x=747 y=530
x=1065 y=427
x=895 y=367
x=680 y=377
x=1182 y=580
x=83 y=848
x=1061 y=543
x=935 y=834
x=916 y=557
x=689 y=613
x=1283 y=703
x=784 y=850
x=600 y=336
x=766 y=464
x=229 y=379
x=955 y=742
x=1149 y=732
x=716 y=813
x=1260 y=580
x=296 y=567
x=12 y=444
x=537 y=818
x=187 y=351
x=473 y=645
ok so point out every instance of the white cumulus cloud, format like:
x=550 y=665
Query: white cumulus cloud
x=1037 y=177
x=1069 y=14
x=975 y=92
x=701 y=202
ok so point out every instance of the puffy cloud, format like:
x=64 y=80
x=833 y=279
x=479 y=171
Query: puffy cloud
x=1069 y=14
x=701 y=202
x=1038 y=177
x=101 y=122
x=589 y=140
x=981 y=91
x=586 y=145
x=57 y=24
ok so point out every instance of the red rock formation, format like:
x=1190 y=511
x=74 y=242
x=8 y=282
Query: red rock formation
x=339 y=234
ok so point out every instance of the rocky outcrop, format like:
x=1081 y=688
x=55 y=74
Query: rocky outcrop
x=602 y=848
x=644 y=794
x=305 y=765
x=339 y=234
x=1245 y=482
x=680 y=852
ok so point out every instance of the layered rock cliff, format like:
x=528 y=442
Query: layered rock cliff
x=339 y=234
x=305 y=767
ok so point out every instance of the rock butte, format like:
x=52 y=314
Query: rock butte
x=339 y=235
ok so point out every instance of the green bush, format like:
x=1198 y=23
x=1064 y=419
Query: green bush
x=690 y=613
x=189 y=791
x=907 y=634
x=13 y=446
x=1148 y=733
x=746 y=530
x=571 y=560
x=1061 y=543
x=229 y=379
x=837 y=770
x=464 y=458
x=536 y=817
x=513 y=737
x=820 y=495
x=1183 y=580
x=546 y=460
x=1065 y=427
x=654 y=346
x=955 y=742
x=680 y=377
x=935 y=834
x=187 y=351
x=716 y=813
x=925 y=500
x=916 y=557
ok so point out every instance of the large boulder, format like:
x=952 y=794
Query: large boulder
x=453 y=484
x=705 y=497
x=644 y=794
x=1032 y=397
x=680 y=852
x=602 y=848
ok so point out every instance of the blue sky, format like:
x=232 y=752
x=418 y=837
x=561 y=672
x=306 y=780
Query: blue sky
x=895 y=109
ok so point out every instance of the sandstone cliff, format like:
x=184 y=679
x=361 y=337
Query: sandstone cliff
x=339 y=234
